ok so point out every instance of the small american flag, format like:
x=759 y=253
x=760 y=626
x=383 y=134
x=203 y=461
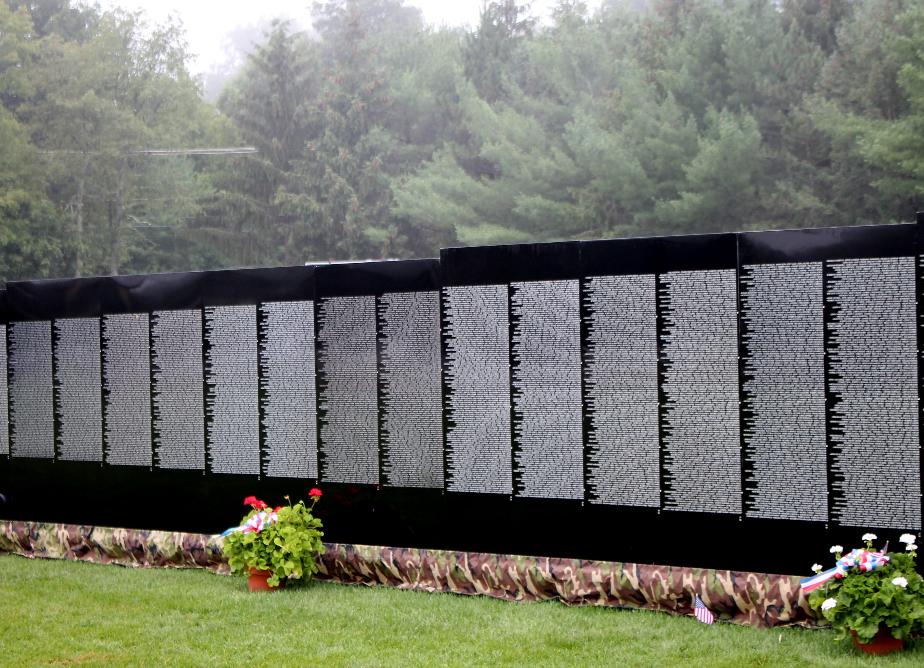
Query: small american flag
x=701 y=611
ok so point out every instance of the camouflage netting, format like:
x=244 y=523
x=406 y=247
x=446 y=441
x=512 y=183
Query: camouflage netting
x=742 y=598
x=125 y=547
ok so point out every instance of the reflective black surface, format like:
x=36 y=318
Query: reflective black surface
x=196 y=500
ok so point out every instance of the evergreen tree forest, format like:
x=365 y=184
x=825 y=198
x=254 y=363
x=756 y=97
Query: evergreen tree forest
x=380 y=136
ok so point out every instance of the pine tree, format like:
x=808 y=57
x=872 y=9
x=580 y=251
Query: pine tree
x=340 y=189
x=32 y=238
x=895 y=144
x=489 y=54
x=269 y=105
x=860 y=102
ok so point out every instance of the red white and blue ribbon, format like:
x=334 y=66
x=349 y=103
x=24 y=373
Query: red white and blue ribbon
x=861 y=559
x=254 y=524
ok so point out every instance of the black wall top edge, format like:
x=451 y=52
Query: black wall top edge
x=484 y=265
x=372 y=278
x=815 y=244
x=95 y=296
x=98 y=295
x=658 y=254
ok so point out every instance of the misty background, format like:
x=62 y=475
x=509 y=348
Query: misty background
x=390 y=128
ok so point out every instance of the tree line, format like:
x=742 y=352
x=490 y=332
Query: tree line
x=380 y=136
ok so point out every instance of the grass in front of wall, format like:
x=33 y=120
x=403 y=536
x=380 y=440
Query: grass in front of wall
x=55 y=613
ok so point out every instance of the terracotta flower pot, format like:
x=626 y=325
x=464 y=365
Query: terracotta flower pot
x=257 y=581
x=882 y=643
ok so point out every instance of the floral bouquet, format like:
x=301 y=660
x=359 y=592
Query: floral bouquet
x=869 y=590
x=285 y=540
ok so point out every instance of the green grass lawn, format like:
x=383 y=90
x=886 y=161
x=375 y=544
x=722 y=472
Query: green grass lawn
x=60 y=613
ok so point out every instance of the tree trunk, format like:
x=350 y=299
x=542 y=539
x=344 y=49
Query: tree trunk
x=116 y=219
x=78 y=217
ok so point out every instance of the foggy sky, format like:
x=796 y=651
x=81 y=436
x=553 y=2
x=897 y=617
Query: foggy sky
x=207 y=22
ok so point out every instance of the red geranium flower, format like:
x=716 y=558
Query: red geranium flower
x=259 y=505
x=315 y=492
x=250 y=500
x=277 y=509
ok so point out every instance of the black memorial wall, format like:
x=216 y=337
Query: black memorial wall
x=705 y=400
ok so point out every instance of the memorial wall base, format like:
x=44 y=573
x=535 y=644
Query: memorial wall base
x=754 y=599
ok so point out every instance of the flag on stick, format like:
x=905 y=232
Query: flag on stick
x=701 y=611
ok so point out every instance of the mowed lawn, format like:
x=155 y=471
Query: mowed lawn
x=59 y=613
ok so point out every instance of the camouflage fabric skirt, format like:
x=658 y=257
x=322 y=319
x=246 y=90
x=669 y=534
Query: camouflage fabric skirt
x=756 y=599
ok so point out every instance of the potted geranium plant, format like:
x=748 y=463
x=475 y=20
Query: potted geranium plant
x=275 y=545
x=875 y=596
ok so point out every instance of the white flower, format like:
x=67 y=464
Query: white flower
x=816 y=568
x=829 y=603
x=834 y=550
x=900 y=582
x=907 y=538
x=869 y=536
x=911 y=547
